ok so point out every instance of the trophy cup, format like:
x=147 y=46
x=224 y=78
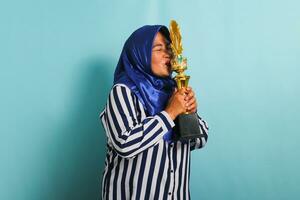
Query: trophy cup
x=187 y=124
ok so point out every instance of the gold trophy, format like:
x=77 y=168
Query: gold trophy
x=187 y=124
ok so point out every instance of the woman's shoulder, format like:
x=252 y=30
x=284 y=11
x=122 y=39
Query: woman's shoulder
x=120 y=95
x=122 y=90
x=121 y=85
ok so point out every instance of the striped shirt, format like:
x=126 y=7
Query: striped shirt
x=139 y=163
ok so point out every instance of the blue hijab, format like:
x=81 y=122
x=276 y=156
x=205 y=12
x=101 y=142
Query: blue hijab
x=134 y=71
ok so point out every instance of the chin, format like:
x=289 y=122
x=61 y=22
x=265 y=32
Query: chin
x=167 y=75
x=163 y=75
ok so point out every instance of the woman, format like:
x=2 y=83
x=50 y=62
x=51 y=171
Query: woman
x=142 y=161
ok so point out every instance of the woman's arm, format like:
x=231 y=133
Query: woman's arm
x=129 y=136
x=198 y=143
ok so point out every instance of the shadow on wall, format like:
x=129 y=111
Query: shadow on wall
x=78 y=160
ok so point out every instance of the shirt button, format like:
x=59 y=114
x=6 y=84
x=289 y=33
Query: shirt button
x=171 y=145
x=172 y=171
x=170 y=193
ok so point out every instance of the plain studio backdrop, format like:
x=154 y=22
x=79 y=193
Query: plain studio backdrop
x=56 y=69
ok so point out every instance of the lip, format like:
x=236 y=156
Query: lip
x=168 y=63
x=168 y=67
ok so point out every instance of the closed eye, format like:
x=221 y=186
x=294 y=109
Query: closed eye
x=157 y=47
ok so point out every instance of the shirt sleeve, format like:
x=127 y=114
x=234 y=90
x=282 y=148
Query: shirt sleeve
x=129 y=136
x=198 y=143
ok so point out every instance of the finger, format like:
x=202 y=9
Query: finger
x=186 y=92
x=189 y=88
x=193 y=111
x=182 y=91
x=190 y=96
x=191 y=102
x=192 y=107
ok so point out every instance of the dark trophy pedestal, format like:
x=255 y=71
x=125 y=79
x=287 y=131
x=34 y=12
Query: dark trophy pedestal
x=186 y=127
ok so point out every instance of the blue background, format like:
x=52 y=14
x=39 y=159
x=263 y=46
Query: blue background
x=57 y=63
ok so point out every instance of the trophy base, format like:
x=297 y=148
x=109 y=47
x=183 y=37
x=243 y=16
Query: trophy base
x=186 y=127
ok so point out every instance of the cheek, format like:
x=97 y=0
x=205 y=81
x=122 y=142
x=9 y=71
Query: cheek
x=155 y=58
x=155 y=65
x=154 y=68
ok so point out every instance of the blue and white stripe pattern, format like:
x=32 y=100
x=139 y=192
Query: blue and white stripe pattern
x=139 y=164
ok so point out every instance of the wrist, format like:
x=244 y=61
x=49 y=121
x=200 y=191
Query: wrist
x=171 y=114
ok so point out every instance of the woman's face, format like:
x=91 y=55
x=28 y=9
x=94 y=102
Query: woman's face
x=161 y=56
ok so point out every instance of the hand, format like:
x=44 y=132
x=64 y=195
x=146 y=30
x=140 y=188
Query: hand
x=191 y=100
x=177 y=103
